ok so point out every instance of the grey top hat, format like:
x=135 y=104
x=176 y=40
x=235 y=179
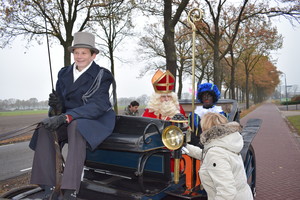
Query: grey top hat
x=83 y=40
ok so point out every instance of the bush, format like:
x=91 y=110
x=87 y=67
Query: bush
x=296 y=98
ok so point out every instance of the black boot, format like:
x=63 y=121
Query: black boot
x=69 y=194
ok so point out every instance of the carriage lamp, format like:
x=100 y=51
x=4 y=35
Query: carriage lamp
x=172 y=137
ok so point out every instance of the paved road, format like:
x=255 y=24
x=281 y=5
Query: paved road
x=16 y=159
x=277 y=156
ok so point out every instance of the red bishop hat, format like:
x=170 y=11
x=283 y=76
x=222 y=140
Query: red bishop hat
x=163 y=82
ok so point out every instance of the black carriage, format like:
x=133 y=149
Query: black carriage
x=138 y=161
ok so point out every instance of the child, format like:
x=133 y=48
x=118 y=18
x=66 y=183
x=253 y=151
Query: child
x=222 y=170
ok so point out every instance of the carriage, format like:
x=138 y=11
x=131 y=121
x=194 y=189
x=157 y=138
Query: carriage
x=142 y=159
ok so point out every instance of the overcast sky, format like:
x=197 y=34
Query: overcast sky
x=25 y=72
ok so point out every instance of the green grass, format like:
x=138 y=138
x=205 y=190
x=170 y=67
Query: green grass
x=295 y=121
x=23 y=112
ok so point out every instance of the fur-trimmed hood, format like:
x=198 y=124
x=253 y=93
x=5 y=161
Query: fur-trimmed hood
x=224 y=135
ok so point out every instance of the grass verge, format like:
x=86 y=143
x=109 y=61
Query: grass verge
x=295 y=122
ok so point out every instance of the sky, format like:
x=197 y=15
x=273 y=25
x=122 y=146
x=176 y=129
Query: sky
x=25 y=73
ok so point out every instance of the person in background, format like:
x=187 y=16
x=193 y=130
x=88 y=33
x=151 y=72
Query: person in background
x=222 y=170
x=80 y=114
x=164 y=102
x=132 y=109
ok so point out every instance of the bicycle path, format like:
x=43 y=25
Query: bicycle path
x=277 y=151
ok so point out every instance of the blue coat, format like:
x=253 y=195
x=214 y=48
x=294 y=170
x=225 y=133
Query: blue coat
x=93 y=111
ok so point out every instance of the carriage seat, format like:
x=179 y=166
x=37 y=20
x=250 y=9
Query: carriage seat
x=133 y=133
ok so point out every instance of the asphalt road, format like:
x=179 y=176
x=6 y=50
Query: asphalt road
x=16 y=159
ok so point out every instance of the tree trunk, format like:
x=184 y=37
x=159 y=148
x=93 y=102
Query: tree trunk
x=247 y=90
x=112 y=69
x=168 y=39
x=67 y=56
x=217 y=66
x=169 y=35
x=232 y=74
x=179 y=92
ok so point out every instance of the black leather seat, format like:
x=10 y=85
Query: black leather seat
x=137 y=134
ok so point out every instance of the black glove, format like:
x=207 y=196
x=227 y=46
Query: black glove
x=179 y=117
x=55 y=103
x=52 y=123
x=195 y=140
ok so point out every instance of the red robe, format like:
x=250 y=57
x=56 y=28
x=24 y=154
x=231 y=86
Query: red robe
x=147 y=113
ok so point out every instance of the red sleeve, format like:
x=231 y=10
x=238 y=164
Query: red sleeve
x=182 y=111
x=147 y=113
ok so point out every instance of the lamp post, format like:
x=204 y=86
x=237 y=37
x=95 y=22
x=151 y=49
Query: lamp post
x=286 y=97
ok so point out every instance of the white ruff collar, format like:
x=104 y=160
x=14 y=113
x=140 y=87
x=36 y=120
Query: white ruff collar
x=202 y=111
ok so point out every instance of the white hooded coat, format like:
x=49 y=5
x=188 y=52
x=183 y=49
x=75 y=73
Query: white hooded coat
x=222 y=170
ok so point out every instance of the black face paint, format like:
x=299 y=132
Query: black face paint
x=207 y=100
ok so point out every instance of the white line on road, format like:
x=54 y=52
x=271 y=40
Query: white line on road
x=23 y=170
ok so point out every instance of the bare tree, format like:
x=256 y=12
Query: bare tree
x=115 y=24
x=153 y=48
x=32 y=19
x=170 y=21
x=171 y=11
x=212 y=29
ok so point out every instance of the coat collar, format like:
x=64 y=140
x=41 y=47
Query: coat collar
x=219 y=131
x=90 y=74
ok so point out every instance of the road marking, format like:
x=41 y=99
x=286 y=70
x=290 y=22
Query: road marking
x=23 y=170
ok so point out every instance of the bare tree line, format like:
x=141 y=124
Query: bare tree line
x=17 y=104
x=12 y=104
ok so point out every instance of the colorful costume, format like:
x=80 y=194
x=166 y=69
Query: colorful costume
x=163 y=84
x=200 y=111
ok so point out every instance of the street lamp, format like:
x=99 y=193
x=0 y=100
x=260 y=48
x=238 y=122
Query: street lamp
x=286 y=97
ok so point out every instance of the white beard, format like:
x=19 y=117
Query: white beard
x=166 y=109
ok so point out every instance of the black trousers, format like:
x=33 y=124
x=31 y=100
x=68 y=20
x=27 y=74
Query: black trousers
x=43 y=167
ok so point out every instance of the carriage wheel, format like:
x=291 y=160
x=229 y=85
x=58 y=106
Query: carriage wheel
x=250 y=168
x=21 y=192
